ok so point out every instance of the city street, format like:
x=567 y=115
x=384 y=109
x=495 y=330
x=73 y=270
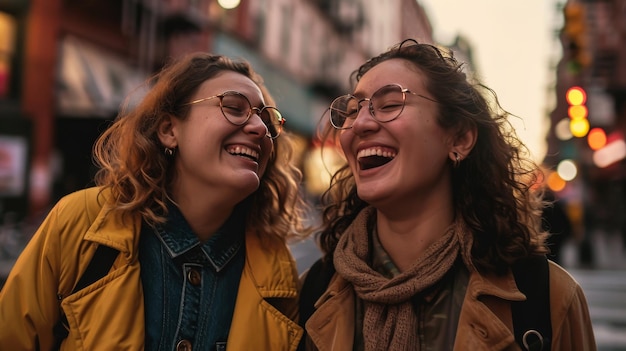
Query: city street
x=606 y=294
x=604 y=287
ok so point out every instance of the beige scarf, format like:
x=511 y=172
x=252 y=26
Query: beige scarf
x=389 y=322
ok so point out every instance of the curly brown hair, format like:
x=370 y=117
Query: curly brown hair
x=491 y=187
x=133 y=166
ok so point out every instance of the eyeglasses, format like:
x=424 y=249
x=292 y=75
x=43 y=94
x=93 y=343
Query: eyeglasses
x=385 y=105
x=237 y=110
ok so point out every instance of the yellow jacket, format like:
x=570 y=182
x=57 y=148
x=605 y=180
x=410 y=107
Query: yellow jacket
x=109 y=314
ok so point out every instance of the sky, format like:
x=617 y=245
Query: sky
x=513 y=45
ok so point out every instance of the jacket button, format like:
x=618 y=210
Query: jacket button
x=183 y=345
x=194 y=277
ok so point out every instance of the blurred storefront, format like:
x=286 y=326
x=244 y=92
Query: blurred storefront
x=586 y=145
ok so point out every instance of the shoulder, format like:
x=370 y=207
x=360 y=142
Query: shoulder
x=74 y=213
x=86 y=202
x=571 y=322
x=561 y=281
x=268 y=259
x=565 y=292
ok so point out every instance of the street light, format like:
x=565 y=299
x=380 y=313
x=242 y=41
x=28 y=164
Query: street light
x=228 y=4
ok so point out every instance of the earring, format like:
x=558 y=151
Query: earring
x=457 y=160
x=168 y=152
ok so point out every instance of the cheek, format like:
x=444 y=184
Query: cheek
x=345 y=139
x=267 y=150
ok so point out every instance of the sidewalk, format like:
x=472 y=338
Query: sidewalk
x=608 y=252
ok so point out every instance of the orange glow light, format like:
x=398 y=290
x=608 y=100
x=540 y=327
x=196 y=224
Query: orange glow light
x=577 y=112
x=596 y=138
x=555 y=183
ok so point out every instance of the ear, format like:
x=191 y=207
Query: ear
x=463 y=144
x=167 y=132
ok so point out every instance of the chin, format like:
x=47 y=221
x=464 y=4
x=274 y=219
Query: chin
x=369 y=196
x=248 y=184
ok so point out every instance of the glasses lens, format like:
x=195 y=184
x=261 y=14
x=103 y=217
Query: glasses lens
x=273 y=121
x=388 y=103
x=235 y=107
x=343 y=111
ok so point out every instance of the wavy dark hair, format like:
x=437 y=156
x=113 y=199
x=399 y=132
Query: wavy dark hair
x=491 y=186
x=133 y=166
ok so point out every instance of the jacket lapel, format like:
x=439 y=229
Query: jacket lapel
x=331 y=327
x=109 y=227
x=271 y=266
x=485 y=322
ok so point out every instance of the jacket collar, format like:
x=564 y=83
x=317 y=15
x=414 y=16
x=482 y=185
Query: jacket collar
x=484 y=324
x=271 y=265
x=332 y=324
x=268 y=258
x=110 y=227
x=485 y=321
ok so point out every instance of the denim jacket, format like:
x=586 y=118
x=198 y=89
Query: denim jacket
x=109 y=314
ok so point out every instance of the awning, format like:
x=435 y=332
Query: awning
x=93 y=82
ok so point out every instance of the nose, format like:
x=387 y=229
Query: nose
x=255 y=124
x=367 y=122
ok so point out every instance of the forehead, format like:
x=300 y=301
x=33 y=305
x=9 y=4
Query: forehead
x=230 y=81
x=393 y=71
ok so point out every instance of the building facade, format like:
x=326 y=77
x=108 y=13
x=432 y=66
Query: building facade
x=66 y=66
x=589 y=120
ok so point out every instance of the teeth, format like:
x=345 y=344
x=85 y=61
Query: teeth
x=375 y=151
x=242 y=150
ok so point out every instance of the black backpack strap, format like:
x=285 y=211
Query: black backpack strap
x=315 y=283
x=98 y=267
x=531 y=318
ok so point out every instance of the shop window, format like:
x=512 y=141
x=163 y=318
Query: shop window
x=7 y=50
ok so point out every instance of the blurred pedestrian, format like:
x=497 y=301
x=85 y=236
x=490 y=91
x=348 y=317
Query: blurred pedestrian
x=197 y=196
x=428 y=218
x=554 y=219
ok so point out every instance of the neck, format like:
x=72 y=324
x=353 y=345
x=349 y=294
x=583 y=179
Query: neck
x=205 y=208
x=204 y=213
x=405 y=238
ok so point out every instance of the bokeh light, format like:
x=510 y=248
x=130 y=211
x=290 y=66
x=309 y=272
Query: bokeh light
x=576 y=96
x=555 y=183
x=579 y=127
x=577 y=112
x=228 y=4
x=561 y=130
x=567 y=170
x=596 y=138
x=610 y=154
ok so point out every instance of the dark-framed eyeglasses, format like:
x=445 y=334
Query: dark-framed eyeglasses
x=237 y=109
x=385 y=105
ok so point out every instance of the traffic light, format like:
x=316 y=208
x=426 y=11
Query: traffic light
x=575 y=30
x=577 y=111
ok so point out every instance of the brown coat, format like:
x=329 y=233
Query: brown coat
x=485 y=322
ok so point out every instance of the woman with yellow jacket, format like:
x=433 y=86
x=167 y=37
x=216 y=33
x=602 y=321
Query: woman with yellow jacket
x=196 y=196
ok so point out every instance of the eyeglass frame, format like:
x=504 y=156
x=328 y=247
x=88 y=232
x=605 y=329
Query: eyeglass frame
x=404 y=91
x=257 y=110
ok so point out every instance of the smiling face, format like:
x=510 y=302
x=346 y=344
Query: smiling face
x=402 y=162
x=213 y=155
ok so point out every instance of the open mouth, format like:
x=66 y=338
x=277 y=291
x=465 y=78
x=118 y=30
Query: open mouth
x=243 y=151
x=374 y=157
